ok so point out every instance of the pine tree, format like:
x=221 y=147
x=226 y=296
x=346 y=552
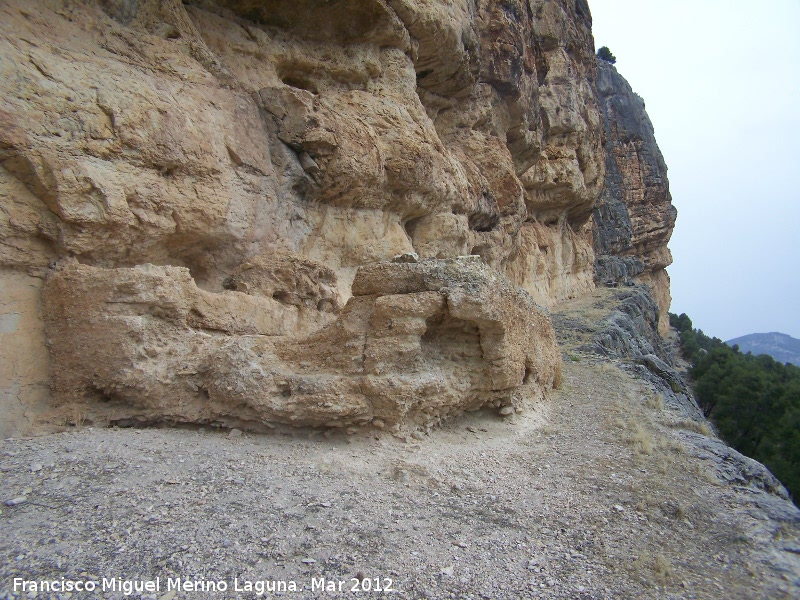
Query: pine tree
x=605 y=54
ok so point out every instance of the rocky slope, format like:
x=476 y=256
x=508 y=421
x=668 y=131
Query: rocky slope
x=607 y=490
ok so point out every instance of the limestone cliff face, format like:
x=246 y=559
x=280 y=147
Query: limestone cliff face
x=635 y=217
x=262 y=152
x=202 y=135
x=262 y=155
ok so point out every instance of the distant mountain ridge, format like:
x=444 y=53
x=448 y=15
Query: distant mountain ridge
x=783 y=348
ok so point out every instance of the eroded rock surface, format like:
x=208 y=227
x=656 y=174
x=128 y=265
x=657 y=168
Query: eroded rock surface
x=416 y=343
x=635 y=217
x=223 y=138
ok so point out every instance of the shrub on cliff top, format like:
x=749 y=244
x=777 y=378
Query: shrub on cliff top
x=605 y=54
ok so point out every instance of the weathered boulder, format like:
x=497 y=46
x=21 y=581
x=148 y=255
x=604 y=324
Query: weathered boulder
x=416 y=343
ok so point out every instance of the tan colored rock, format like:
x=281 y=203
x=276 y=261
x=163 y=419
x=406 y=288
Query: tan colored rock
x=658 y=282
x=24 y=361
x=213 y=137
x=289 y=280
x=168 y=158
x=417 y=343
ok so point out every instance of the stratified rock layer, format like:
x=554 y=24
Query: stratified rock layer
x=635 y=216
x=234 y=142
x=416 y=343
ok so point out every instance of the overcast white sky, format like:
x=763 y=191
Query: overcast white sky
x=721 y=83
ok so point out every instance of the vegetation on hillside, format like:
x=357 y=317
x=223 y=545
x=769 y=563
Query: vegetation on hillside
x=753 y=401
x=605 y=54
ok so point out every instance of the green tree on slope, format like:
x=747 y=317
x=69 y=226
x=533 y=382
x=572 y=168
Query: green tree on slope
x=753 y=401
x=605 y=54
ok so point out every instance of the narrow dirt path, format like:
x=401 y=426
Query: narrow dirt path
x=600 y=492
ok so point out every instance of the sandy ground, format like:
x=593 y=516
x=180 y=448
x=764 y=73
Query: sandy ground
x=600 y=492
